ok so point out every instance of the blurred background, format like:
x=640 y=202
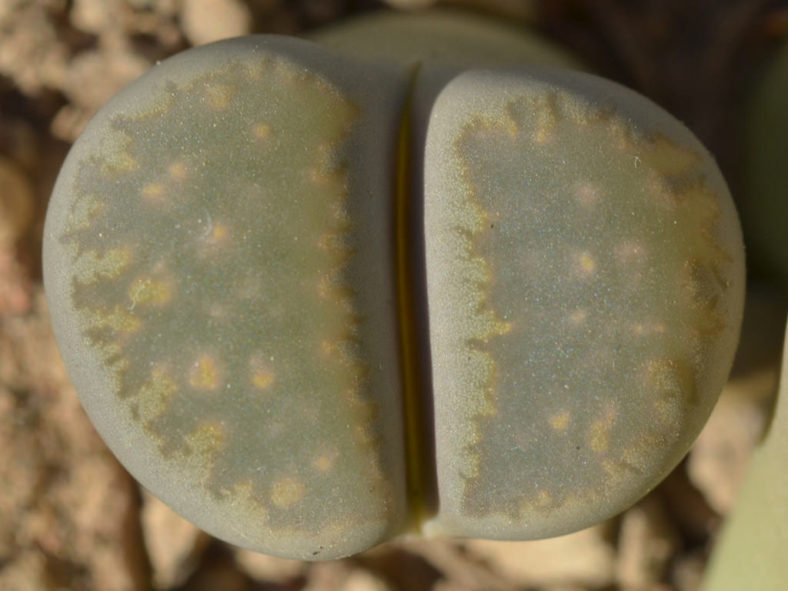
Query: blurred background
x=70 y=516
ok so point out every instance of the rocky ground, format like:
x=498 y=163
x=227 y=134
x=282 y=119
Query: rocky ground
x=72 y=518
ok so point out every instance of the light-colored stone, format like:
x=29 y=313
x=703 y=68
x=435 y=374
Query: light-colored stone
x=98 y=75
x=14 y=284
x=16 y=203
x=204 y=21
x=173 y=543
x=719 y=458
x=31 y=54
x=688 y=572
x=25 y=572
x=262 y=567
x=64 y=500
x=327 y=575
x=364 y=580
x=583 y=557
x=95 y=16
x=646 y=543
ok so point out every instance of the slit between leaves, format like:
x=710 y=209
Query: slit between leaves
x=412 y=312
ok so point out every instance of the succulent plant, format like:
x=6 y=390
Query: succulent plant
x=315 y=302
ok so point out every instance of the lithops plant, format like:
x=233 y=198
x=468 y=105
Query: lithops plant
x=313 y=309
x=584 y=279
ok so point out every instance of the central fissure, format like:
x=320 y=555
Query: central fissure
x=413 y=324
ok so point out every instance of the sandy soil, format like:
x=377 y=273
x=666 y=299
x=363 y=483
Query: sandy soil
x=72 y=518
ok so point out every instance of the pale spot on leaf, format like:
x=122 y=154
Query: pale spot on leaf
x=587 y=195
x=204 y=373
x=217 y=234
x=153 y=192
x=599 y=432
x=668 y=157
x=263 y=379
x=219 y=96
x=119 y=162
x=585 y=265
x=286 y=492
x=326 y=460
x=629 y=252
x=206 y=439
x=261 y=130
x=177 y=170
x=560 y=420
x=544 y=498
x=578 y=317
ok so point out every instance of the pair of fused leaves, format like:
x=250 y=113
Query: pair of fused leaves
x=316 y=302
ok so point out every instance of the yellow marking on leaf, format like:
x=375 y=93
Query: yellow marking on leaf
x=153 y=192
x=324 y=286
x=667 y=410
x=578 y=317
x=328 y=348
x=621 y=134
x=672 y=378
x=668 y=157
x=334 y=243
x=286 y=492
x=119 y=319
x=546 y=118
x=636 y=457
x=204 y=373
x=560 y=420
x=218 y=234
x=263 y=379
x=206 y=439
x=261 y=130
x=651 y=328
x=84 y=212
x=610 y=468
x=629 y=252
x=219 y=96
x=599 y=432
x=586 y=265
x=177 y=170
x=326 y=460
x=544 y=499
x=244 y=494
x=154 y=397
x=91 y=267
x=500 y=328
x=319 y=176
x=153 y=292
x=120 y=162
x=326 y=173
x=587 y=195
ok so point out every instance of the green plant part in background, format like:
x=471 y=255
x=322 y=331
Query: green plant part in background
x=764 y=207
x=315 y=303
x=441 y=39
x=751 y=553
